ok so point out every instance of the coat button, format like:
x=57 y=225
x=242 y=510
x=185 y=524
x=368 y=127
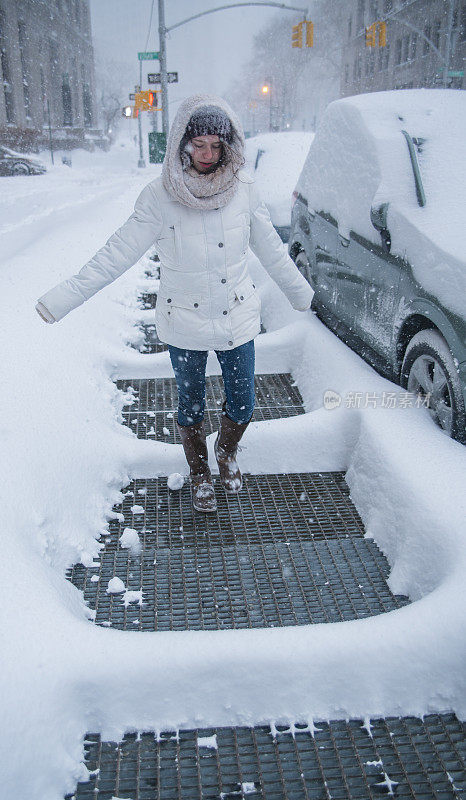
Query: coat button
x=224 y=280
x=230 y=343
x=225 y=312
x=196 y=305
x=220 y=244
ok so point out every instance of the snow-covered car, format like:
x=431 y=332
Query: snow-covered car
x=378 y=230
x=12 y=163
x=275 y=160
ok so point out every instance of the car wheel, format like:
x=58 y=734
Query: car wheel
x=20 y=169
x=428 y=369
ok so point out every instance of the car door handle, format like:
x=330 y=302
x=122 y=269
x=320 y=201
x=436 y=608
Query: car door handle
x=343 y=241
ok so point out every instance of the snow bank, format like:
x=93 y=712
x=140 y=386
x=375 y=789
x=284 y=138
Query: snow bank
x=359 y=158
x=66 y=460
x=278 y=168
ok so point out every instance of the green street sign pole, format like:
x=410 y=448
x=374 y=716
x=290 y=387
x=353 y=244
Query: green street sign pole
x=143 y=57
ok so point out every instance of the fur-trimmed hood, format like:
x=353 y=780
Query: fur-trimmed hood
x=211 y=190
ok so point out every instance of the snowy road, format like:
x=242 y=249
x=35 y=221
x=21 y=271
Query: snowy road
x=65 y=458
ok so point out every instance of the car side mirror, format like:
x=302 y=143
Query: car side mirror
x=379 y=216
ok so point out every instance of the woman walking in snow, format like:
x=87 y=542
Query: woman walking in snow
x=201 y=215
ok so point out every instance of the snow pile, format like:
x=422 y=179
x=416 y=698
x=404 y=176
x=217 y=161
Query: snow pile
x=280 y=160
x=175 y=481
x=129 y=539
x=61 y=674
x=115 y=586
x=359 y=158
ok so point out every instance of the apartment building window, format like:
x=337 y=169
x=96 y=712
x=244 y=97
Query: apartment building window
x=387 y=6
x=24 y=69
x=346 y=73
x=398 y=46
x=350 y=25
x=360 y=15
x=42 y=92
x=436 y=33
x=87 y=105
x=405 y=49
x=85 y=15
x=380 y=59
x=386 y=50
x=413 y=46
x=357 y=67
x=7 y=86
x=66 y=100
x=463 y=24
x=426 y=46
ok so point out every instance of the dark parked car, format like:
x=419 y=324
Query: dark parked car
x=378 y=227
x=12 y=163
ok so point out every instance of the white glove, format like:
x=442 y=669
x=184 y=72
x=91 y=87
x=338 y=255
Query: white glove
x=44 y=313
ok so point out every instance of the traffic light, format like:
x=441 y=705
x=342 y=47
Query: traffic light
x=309 y=34
x=371 y=32
x=382 y=34
x=265 y=89
x=144 y=100
x=370 y=35
x=297 y=35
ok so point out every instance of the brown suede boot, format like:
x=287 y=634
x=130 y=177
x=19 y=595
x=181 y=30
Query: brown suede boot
x=225 y=448
x=195 y=447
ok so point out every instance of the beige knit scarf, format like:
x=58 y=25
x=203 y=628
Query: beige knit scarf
x=215 y=189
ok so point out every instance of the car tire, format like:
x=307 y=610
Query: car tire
x=427 y=357
x=20 y=169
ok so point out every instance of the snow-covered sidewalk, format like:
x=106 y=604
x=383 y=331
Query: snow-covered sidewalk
x=66 y=459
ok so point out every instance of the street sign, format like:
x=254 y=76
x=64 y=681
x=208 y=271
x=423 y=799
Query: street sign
x=148 y=56
x=156 y=77
x=456 y=73
x=157 y=147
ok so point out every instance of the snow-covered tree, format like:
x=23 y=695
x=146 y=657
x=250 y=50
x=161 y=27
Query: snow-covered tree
x=302 y=80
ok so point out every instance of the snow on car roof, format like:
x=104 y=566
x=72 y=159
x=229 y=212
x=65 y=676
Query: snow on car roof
x=360 y=158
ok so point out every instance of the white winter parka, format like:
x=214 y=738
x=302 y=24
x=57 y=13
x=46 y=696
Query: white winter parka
x=206 y=299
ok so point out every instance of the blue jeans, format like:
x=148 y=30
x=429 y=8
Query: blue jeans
x=238 y=379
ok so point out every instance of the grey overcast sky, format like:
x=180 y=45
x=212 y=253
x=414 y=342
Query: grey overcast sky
x=207 y=53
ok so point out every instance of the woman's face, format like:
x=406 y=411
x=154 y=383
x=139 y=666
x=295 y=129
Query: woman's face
x=205 y=152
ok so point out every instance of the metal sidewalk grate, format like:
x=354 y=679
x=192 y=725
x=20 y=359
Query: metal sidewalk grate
x=280 y=554
x=153 y=413
x=403 y=757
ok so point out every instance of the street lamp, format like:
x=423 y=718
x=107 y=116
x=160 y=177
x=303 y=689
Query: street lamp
x=267 y=90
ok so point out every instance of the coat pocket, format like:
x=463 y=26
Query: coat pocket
x=182 y=310
x=245 y=289
x=169 y=245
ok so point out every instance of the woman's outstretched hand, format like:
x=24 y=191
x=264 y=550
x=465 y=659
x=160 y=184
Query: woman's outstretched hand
x=45 y=313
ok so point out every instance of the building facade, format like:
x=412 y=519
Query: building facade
x=47 y=74
x=422 y=35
